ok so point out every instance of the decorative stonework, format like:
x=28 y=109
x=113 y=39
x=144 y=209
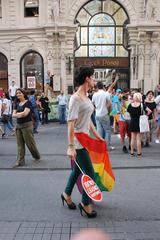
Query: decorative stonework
x=149 y=9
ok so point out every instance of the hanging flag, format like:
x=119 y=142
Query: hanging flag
x=98 y=153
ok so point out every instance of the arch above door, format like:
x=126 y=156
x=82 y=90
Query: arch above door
x=32 y=71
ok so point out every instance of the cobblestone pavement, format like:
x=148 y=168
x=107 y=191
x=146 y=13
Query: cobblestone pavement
x=135 y=230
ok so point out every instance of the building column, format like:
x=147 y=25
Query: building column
x=50 y=54
x=141 y=49
x=63 y=63
x=42 y=12
x=133 y=67
x=49 y=65
x=63 y=68
x=147 y=66
x=154 y=56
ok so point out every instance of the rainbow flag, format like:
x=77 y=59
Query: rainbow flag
x=98 y=153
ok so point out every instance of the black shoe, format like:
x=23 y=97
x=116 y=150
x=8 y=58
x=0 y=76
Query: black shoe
x=19 y=164
x=124 y=149
x=71 y=206
x=3 y=135
x=139 y=154
x=147 y=144
x=35 y=131
x=132 y=154
x=93 y=214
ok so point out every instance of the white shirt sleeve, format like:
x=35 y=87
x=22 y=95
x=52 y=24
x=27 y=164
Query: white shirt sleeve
x=157 y=99
x=73 y=109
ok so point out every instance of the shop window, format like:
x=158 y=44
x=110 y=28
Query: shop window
x=0 y=9
x=3 y=72
x=31 y=8
x=32 y=71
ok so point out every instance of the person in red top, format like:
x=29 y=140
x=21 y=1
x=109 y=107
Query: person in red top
x=1 y=92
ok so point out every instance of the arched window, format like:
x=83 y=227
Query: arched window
x=32 y=71
x=101 y=30
x=3 y=72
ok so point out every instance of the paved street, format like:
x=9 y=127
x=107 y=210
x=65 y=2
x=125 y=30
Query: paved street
x=30 y=205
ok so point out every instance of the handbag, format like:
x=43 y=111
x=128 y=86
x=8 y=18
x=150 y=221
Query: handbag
x=126 y=116
x=5 y=118
x=143 y=122
x=47 y=110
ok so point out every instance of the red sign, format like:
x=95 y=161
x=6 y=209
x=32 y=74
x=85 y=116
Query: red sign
x=91 y=188
x=31 y=82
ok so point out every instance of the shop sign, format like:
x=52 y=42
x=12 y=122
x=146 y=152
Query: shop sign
x=103 y=62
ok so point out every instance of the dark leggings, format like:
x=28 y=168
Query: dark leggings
x=84 y=162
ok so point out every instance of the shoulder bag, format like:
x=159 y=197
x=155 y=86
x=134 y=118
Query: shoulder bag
x=143 y=122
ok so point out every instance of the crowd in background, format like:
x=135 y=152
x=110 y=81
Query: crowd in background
x=115 y=115
x=40 y=108
x=123 y=116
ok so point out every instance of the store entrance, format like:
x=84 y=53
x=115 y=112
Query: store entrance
x=106 y=70
x=107 y=76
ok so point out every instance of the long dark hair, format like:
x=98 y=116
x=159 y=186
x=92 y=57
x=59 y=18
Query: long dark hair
x=22 y=91
x=82 y=73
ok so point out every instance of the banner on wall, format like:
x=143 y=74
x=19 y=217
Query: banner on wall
x=31 y=82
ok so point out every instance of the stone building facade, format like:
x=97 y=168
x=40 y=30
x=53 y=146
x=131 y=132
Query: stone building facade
x=36 y=36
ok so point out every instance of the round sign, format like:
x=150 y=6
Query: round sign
x=91 y=188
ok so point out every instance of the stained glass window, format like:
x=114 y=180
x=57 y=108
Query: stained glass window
x=83 y=17
x=120 y=17
x=110 y=7
x=93 y=7
x=119 y=35
x=121 y=51
x=84 y=35
x=82 y=51
x=101 y=51
x=101 y=19
x=101 y=35
x=102 y=28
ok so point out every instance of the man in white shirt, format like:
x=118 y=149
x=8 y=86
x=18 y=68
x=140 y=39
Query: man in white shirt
x=102 y=101
x=62 y=105
x=12 y=91
x=157 y=101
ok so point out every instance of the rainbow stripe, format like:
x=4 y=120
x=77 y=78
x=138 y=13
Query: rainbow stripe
x=98 y=153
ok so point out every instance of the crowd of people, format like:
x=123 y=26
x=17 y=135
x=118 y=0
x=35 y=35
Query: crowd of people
x=120 y=111
x=109 y=108
x=39 y=109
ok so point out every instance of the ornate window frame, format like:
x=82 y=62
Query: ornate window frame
x=117 y=31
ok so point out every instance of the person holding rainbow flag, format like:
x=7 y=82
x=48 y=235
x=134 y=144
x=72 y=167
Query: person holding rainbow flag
x=81 y=147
